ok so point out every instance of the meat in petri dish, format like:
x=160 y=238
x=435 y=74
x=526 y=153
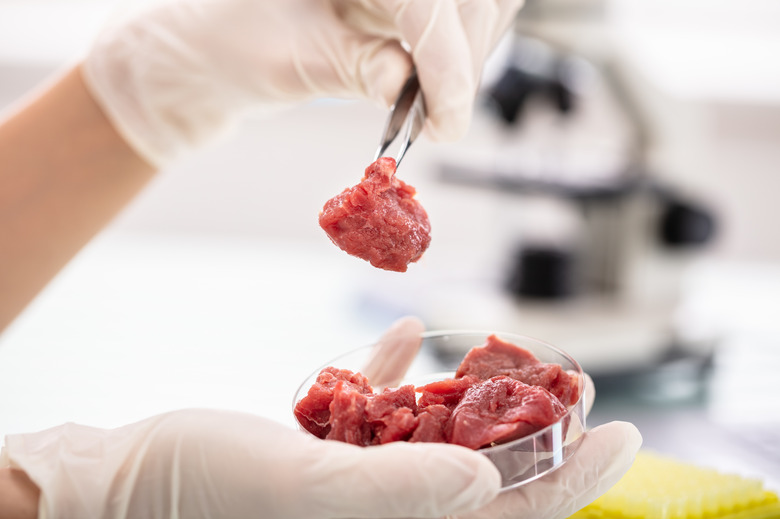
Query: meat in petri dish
x=499 y=357
x=500 y=392
x=501 y=409
x=315 y=415
x=379 y=219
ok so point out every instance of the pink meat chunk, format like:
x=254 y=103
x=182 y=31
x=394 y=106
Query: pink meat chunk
x=498 y=357
x=431 y=423
x=390 y=399
x=348 y=416
x=447 y=392
x=313 y=411
x=379 y=219
x=501 y=409
x=341 y=405
x=392 y=414
x=399 y=426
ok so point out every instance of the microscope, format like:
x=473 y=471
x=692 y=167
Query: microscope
x=601 y=245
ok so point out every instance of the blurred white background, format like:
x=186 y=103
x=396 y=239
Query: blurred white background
x=217 y=288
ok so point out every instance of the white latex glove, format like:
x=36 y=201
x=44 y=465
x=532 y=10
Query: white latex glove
x=213 y=464
x=171 y=77
x=604 y=455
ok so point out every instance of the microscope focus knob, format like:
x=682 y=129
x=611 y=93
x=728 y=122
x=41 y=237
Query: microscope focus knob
x=684 y=224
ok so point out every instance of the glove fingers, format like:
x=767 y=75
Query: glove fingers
x=449 y=41
x=480 y=21
x=484 y=22
x=604 y=457
x=440 y=49
x=507 y=11
x=399 y=480
x=394 y=352
x=383 y=68
x=606 y=453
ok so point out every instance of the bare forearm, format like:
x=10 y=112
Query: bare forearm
x=64 y=174
x=18 y=495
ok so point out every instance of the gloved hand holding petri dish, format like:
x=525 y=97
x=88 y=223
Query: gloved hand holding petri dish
x=518 y=401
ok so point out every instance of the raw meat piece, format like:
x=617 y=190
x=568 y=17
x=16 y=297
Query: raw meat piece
x=379 y=220
x=341 y=405
x=391 y=414
x=399 y=426
x=313 y=410
x=446 y=392
x=499 y=410
x=348 y=416
x=431 y=421
x=389 y=400
x=498 y=357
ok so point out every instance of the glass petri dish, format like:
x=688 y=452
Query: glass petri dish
x=519 y=461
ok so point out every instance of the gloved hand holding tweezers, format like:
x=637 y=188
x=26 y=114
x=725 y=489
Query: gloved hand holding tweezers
x=172 y=77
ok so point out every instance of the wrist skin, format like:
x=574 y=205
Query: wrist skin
x=66 y=172
x=18 y=495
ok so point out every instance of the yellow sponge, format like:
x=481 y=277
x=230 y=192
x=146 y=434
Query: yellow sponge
x=661 y=488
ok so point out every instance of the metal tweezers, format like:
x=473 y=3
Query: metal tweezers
x=409 y=111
